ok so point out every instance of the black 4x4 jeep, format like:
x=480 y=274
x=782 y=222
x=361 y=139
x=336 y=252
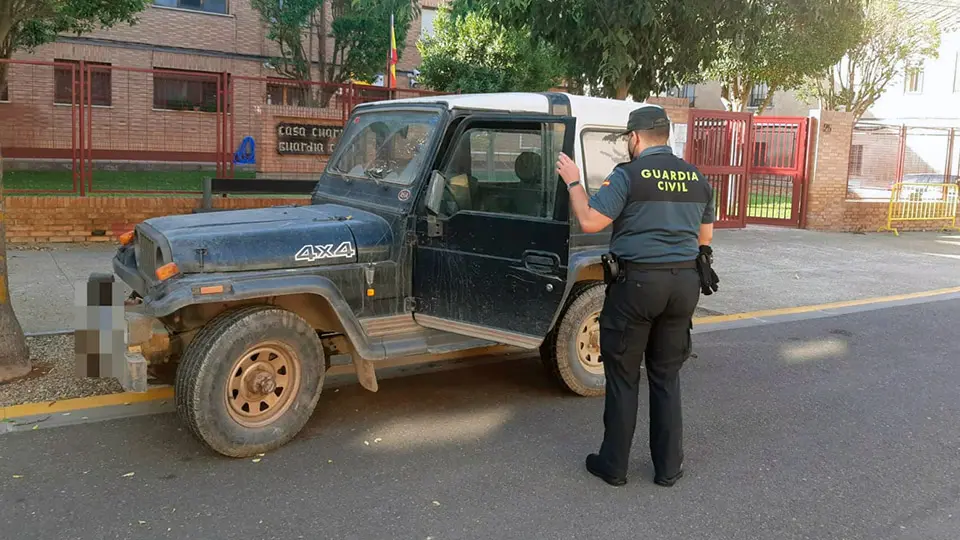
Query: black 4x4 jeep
x=439 y=225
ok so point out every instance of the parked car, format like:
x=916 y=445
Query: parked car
x=438 y=225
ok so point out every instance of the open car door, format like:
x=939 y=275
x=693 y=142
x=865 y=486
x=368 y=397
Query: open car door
x=492 y=246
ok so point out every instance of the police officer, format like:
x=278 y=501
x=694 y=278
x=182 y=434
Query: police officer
x=662 y=212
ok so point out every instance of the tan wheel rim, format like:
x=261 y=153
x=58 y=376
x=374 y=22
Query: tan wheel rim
x=263 y=383
x=588 y=344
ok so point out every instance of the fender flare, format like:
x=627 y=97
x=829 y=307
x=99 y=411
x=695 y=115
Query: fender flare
x=253 y=287
x=578 y=262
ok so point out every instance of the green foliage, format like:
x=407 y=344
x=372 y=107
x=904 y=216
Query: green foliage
x=780 y=42
x=891 y=41
x=622 y=47
x=360 y=31
x=25 y=24
x=471 y=53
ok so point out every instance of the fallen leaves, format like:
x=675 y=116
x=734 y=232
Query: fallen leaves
x=128 y=475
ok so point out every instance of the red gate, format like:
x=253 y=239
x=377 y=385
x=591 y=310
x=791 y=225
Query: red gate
x=777 y=171
x=720 y=144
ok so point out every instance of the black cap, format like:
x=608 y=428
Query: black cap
x=647 y=117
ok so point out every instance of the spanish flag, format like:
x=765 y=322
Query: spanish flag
x=392 y=59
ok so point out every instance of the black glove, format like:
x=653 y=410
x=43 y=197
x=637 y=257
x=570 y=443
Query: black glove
x=708 y=278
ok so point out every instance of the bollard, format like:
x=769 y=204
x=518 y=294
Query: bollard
x=207 y=184
x=100 y=336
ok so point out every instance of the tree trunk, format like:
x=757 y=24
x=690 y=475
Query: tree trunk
x=14 y=354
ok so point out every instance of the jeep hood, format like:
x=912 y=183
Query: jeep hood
x=263 y=239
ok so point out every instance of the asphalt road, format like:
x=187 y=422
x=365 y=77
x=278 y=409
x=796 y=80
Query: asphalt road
x=831 y=428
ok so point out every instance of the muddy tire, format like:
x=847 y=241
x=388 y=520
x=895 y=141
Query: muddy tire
x=250 y=380
x=571 y=353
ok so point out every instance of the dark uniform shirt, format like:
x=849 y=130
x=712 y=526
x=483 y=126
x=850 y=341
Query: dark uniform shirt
x=657 y=203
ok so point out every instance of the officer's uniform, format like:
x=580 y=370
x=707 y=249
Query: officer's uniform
x=657 y=202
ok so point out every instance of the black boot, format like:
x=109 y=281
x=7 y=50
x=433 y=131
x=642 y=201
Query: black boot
x=668 y=482
x=596 y=469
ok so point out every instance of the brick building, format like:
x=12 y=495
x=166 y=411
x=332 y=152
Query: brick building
x=153 y=87
x=204 y=35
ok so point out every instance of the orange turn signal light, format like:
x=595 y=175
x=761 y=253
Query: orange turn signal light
x=212 y=289
x=126 y=238
x=167 y=271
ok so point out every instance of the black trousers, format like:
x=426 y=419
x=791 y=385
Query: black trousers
x=649 y=313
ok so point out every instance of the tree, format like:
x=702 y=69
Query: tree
x=26 y=24
x=625 y=47
x=361 y=38
x=471 y=53
x=779 y=43
x=890 y=43
x=14 y=354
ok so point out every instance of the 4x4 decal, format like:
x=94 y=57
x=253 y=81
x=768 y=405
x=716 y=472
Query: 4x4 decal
x=310 y=253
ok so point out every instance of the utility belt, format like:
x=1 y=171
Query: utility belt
x=616 y=270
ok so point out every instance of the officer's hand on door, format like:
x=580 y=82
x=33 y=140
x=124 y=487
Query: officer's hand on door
x=567 y=169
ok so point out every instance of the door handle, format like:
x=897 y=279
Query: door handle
x=540 y=261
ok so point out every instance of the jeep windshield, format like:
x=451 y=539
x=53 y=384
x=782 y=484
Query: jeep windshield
x=385 y=146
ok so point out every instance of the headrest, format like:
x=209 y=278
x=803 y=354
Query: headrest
x=527 y=167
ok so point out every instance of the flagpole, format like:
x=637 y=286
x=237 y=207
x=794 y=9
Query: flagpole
x=393 y=83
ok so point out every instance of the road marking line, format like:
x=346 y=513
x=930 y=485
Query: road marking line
x=822 y=307
x=166 y=392
x=75 y=404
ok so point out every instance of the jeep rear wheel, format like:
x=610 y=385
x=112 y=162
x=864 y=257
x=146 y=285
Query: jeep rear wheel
x=573 y=354
x=250 y=380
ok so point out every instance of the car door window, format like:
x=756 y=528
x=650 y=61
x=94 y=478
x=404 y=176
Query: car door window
x=602 y=151
x=504 y=170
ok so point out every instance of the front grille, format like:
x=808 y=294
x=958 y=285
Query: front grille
x=147 y=257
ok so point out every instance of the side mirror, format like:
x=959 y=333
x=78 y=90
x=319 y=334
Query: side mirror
x=434 y=195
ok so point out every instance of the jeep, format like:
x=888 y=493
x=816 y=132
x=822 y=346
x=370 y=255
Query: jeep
x=439 y=225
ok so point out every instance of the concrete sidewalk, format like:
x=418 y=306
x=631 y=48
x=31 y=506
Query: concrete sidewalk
x=759 y=268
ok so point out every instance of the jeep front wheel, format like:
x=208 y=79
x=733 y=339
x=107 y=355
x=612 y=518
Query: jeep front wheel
x=574 y=351
x=250 y=380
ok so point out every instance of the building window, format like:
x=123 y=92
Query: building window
x=280 y=92
x=4 y=92
x=914 y=81
x=185 y=90
x=856 y=159
x=758 y=94
x=100 y=85
x=687 y=91
x=427 y=16
x=208 y=6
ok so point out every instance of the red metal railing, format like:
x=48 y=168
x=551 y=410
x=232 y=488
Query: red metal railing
x=39 y=137
x=778 y=171
x=720 y=144
x=882 y=155
x=158 y=131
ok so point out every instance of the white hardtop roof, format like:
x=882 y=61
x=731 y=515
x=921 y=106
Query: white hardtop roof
x=589 y=111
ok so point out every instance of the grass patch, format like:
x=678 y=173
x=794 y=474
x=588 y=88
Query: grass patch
x=111 y=180
x=763 y=205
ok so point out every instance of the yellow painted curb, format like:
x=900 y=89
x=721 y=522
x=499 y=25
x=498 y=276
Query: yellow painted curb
x=68 y=405
x=823 y=307
x=166 y=392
